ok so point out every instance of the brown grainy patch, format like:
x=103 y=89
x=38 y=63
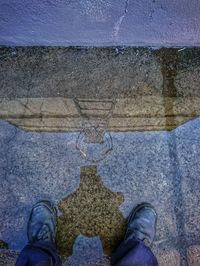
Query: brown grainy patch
x=92 y=210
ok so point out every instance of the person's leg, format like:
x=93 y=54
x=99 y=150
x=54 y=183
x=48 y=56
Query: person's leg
x=141 y=227
x=41 y=231
x=34 y=254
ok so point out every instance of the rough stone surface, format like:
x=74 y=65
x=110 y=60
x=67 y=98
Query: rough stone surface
x=122 y=114
x=92 y=210
x=188 y=152
x=193 y=255
x=47 y=165
x=88 y=166
x=100 y=23
x=96 y=73
x=79 y=73
x=46 y=89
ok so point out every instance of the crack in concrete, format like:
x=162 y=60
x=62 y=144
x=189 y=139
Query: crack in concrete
x=118 y=23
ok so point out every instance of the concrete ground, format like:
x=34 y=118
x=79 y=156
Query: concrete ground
x=98 y=131
x=100 y=23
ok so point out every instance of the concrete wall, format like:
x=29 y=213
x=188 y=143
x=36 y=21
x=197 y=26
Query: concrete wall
x=100 y=22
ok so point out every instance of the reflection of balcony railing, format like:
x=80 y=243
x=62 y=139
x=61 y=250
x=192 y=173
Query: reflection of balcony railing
x=124 y=114
x=99 y=90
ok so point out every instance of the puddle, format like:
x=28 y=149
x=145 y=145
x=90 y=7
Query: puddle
x=131 y=113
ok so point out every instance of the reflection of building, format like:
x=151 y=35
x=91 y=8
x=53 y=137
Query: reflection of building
x=51 y=89
x=125 y=114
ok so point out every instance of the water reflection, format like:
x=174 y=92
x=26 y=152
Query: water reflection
x=129 y=123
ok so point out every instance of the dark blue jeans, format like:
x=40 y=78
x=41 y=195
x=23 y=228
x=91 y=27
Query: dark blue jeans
x=39 y=254
x=129 y=253
x=133 y=253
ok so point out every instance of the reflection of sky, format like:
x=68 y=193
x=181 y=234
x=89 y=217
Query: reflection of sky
x=94 y=22
x=35 y=166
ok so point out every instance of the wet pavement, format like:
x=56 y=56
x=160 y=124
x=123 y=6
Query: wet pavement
x=98 y=131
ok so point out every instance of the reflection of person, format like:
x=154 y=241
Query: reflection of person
x=41 y=250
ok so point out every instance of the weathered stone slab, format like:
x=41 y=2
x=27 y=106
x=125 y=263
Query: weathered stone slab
x=37 y=72
x=47 y=165
x=84 y=93
x=37 y=107
x=140 y=167
x=122 y=114
x=78 y=72
x=188 y=152
x=100 y=23
x=158 y=167
x=126 y=88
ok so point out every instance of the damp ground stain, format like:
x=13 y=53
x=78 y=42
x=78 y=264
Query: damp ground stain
x=92 y=210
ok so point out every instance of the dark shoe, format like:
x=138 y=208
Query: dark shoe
x=142 y=223
x=42 y=222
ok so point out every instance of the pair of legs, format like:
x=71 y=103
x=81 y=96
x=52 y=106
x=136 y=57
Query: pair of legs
x=133 y=251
